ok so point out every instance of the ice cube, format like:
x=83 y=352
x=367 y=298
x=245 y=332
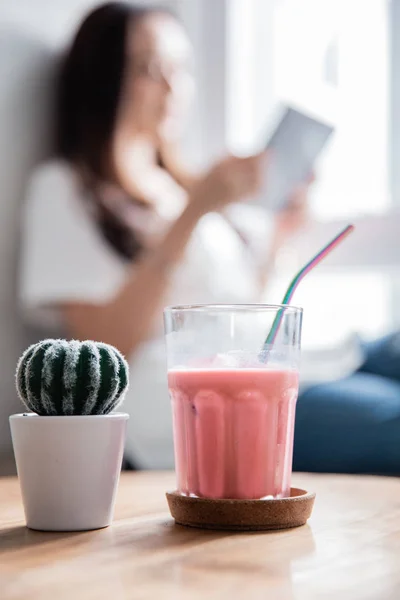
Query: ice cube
x=226 y=361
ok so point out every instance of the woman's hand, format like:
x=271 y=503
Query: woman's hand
x=230 y=180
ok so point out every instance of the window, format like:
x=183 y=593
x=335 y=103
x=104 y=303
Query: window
x=337 y=53
x=332 y=57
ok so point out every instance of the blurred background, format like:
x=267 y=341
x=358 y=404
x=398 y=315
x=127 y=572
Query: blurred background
x=340 y=58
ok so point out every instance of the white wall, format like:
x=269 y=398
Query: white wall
x=25 y=68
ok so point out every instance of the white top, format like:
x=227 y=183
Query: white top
x=65 y=258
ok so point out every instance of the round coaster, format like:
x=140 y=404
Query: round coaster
x=242 y=515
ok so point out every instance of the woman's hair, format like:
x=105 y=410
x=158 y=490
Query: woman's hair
x=89 y=90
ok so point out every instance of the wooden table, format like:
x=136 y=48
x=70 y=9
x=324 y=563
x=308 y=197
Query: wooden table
x=349 y=550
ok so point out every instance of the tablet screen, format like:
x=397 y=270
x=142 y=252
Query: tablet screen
x=295 y=145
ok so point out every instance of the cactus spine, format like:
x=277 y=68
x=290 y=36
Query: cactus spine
x=59 y=377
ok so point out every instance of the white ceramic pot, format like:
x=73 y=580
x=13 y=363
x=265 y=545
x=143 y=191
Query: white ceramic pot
x=68 y=468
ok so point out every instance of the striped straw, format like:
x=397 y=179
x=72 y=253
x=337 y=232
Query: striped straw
x=296 y=280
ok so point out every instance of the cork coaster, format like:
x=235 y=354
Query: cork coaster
x=242 y=515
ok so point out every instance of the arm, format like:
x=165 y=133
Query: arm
x=125 y=321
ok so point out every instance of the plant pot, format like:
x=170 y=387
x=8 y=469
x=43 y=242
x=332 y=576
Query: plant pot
x=68 y=468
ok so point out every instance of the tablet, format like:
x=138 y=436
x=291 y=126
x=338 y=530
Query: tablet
x=295 y=145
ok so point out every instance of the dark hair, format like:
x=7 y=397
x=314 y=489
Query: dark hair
x=89 y=90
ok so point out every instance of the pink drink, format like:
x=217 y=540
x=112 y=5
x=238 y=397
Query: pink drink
x=233 y=431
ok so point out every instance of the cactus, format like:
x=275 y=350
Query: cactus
x=56 y=377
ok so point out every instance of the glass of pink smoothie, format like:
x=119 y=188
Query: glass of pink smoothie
x=233 y=403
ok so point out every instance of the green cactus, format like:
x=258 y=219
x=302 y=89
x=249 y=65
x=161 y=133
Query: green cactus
x=56 y=377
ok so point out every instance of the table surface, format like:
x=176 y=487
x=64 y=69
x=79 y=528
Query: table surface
x=350 y=549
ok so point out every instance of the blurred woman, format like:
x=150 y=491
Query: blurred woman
x=116 y=228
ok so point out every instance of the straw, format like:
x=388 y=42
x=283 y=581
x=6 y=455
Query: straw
x=296 y=280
